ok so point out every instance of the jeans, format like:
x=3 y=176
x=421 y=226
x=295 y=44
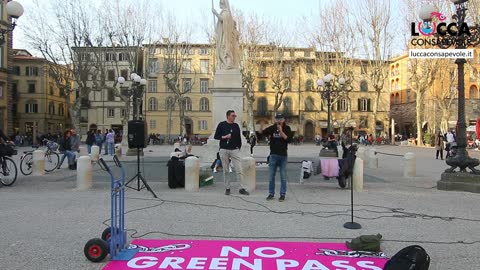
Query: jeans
x=275 y=162
x=71 y=156
x=234 y=155
x=89 y=149
x=111 y=148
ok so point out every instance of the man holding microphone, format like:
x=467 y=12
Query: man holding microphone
x=228 y=132
x=280 y=135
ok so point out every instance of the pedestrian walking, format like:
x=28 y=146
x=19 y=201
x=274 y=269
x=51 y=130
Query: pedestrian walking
x=280 y=135
x=252 y=141
x=90 y=141
x=99 y=141
x=110 y=138
x=439 y=144
x=228 y=132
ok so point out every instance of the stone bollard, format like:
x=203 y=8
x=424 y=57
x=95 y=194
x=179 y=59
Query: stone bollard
x=38 y=162
x=83 y=151
x=358 y=175
x=340 y=151
x=361 y=153
x=95 y=153
x=249 y=173
x=84 y=173
x=410 y=165
x=192 y=174
x=118 y=150
x=372 y=159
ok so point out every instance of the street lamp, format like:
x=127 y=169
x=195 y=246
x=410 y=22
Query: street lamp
x=461 y=41
x=14 y=10
x=331 y=90
x=135 y=90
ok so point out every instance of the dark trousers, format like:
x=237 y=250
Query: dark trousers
x=251 y=149
x=441 y=153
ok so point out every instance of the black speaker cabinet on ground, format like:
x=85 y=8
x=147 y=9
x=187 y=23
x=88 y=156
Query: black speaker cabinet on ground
x=137 y=131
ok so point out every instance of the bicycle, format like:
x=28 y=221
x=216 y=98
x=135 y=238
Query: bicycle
x=51 y=158
x=8 y=171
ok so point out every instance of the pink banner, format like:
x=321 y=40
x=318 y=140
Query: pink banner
x=247 y=255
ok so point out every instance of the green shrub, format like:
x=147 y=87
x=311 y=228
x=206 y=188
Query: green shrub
x=429 y=139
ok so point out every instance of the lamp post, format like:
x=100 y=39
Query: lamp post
x=461 y=41
x=331 y=90
x=14 y=10
x=135 y=90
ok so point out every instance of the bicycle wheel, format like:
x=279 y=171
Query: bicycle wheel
x=51 y=161
x=26 y=165
x=8 y=172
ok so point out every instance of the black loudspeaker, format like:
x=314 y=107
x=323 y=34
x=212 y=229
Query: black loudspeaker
x=136 y=134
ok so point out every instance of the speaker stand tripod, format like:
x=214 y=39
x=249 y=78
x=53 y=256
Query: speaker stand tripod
x=139 y=178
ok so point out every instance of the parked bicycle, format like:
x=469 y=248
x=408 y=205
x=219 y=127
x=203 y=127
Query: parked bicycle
x=51 y=158
x=8 y=170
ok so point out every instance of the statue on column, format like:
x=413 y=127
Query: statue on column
x=227 y=39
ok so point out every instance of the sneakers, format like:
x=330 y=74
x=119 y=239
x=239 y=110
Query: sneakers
x=227 y=191
x=282 y=198
x=270 y=197
x=243 y=192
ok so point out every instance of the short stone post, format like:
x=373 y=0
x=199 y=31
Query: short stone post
x=118 y=150
x=84 y=173
x=83 y=151
x=372 y=159
x=38 y=163
x=176 y=145
x=249 y=173
x=340 y=151
x=95 y=153
x=410 y=165
x=361 y=153
x=358 y=175
x=192 y=174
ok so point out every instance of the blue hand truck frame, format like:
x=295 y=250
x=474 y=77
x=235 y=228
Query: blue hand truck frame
x=114 y=238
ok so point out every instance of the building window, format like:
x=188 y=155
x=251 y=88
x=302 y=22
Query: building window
x=343 y=105
x=153 y=124
x=286 y=85
x=363 y=69
x=31 y=108
x=110 y=95
x=187 y=66
x=306 y=53
x=204 y=66
x=262 y=106
x=408 y=95
x=123 y=112
x=397 y=85
x=111 y=113
x=309 y=68
x=262 y=86
x=203 y=51
x=363 y=86
x=61 y=110
x=111 y=57
x=364 y=104
x=169 y=104
x=187 y=85
x=31 y=71
x=203 y=125
x=309 y=104
x=309 y=85
x=16 y=70
x=203 y=85
x=287 y=105
x=288 y=70
x=152 y=86
x=152 y=104
x=262 y=72
x=31 y=88
x=474 y=92
x=124 y=74
x=123 y=57
x=204 y=106
x=111 y=75
x=153 y=66
x=188 y=104
x=51 y=108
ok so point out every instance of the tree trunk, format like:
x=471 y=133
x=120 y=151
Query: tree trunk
x=251 y=119
x=375 y=112
x=75 y=114
x=181 y=113
x=419 y=108
x=169 y=124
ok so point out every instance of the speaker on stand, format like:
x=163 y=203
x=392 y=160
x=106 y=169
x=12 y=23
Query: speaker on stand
x=137 y=139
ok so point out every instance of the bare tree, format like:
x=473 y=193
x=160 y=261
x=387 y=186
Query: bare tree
x=447 y=94
x=252 y=33
x=375 y=19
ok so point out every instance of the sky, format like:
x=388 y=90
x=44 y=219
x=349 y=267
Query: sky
x=287 y=11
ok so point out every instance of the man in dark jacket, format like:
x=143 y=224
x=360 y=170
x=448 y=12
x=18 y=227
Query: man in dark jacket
x=280 y=135
x=228 y=132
